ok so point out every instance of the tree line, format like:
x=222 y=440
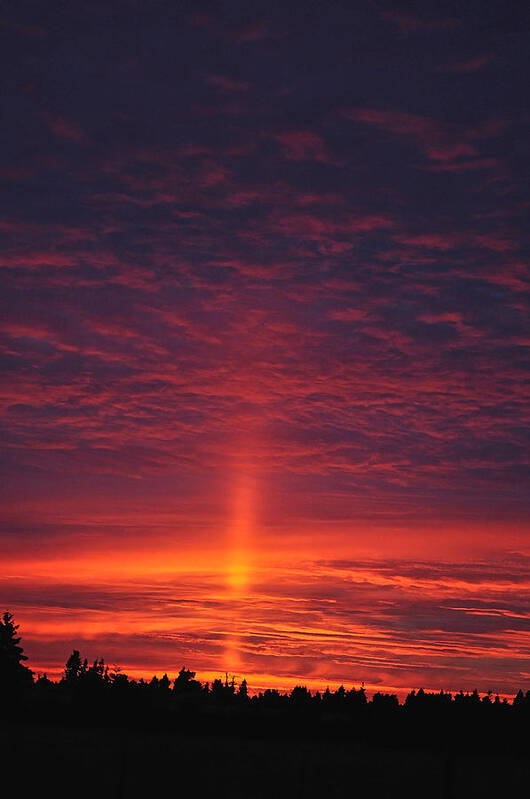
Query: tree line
x=94 y=694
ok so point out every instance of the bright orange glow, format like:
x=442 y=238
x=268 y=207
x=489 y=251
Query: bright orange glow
x=239 y=565
x=240 y=539
x=277 y=616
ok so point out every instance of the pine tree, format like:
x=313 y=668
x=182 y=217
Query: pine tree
x=73 y=669
x=13 y=672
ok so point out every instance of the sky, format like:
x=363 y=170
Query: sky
x=264 y=339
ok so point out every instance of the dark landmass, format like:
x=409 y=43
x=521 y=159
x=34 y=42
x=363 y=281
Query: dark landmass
x=97 y=732
x=121 y=763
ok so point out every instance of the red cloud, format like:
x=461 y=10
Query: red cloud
x=252 y=33
x=468 y=165
x=303 y=145
x=228 y=85
x=434 y=139
x=407 y=23
x=469 y=64
x=348 y=314
x=432 y=241
x=65 y=128
x=27 y=30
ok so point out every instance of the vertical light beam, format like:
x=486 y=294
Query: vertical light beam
x=239 y=565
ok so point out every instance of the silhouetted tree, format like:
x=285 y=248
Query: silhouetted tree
x=242 y=691
x=185 y=676
x=45 y=690
x=385 y=701
x=271 y=698
x=300 y=695
x=185 y=683
x=74 y=667
x=43 y=682
x=356 y=699
x=217 y=690
x=95 y=675
x=119 y=680
x=13 y=673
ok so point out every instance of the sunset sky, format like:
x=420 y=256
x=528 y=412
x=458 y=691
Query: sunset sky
x=264 y=339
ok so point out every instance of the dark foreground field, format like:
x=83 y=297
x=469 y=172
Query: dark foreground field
x=118 y=764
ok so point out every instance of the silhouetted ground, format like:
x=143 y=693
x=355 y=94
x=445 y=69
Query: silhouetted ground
x=96 y=733
x=122 y=764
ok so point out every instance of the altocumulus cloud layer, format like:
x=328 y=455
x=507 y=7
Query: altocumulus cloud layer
x=264 y=319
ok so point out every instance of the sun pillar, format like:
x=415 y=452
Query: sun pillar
x=239 y=566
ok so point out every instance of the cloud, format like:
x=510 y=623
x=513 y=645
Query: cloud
x=410 y=23
x=472 y=64
x=251 y=33
x=33 y=31
x=303 y=145
x=227 y=85
x=65 y=129
x=436 y=141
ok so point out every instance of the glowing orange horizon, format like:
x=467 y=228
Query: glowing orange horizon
x=279 y=619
